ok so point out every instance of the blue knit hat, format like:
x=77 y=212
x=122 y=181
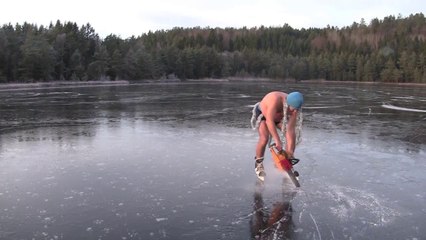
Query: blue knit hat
x=295 y=100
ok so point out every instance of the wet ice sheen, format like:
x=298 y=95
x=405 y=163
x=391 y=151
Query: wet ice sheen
x=403 y=108
x=175 y=161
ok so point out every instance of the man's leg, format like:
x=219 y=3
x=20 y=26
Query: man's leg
x=260 y=150
x=263 y=140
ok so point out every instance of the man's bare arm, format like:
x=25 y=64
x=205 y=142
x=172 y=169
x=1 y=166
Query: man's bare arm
x=291 y=134
x=269 y=114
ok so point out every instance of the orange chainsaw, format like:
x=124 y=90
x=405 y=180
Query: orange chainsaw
x=283 y=163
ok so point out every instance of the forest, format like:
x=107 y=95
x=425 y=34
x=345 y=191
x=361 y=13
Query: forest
x=392 y=49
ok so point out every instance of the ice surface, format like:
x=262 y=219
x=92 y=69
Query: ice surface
x=175 y=161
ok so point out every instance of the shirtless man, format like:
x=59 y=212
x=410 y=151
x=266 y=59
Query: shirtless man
x=268 y=115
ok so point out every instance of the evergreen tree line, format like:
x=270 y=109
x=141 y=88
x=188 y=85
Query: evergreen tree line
x=389 y=50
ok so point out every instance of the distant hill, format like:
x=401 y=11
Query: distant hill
x=392 y=49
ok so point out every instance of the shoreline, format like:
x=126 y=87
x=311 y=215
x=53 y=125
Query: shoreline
x=322 y=81
x=59 y=84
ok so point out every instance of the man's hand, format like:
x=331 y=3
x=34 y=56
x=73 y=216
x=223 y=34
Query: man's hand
x=279 y=146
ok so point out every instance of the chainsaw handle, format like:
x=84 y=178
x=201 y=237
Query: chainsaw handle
x=273 y=145
x=282 y=152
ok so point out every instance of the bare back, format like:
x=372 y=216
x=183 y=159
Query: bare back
x=272 y=105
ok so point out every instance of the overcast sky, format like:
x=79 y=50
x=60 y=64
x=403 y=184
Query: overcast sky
x=135 y=17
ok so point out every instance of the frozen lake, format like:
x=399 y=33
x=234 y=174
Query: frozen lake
x=175 y=161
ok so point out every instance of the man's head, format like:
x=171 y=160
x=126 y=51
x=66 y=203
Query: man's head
x=295 y=100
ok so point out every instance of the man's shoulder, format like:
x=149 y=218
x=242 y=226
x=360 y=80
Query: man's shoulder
x=275 y=94
x=278 y=93
x=278 y=96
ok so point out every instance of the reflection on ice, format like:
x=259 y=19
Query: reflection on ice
x=274 y=221
x=389 y=106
